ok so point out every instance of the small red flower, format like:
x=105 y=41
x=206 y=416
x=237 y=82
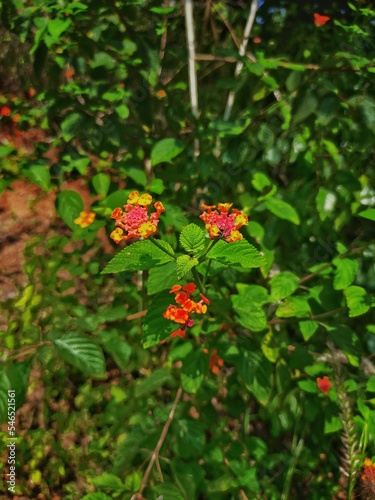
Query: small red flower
x=31 y=92
x=257 y=39
x=5 y=111
x=368 y=471
x=324 y=384
x=320 y=20
x=69 y=73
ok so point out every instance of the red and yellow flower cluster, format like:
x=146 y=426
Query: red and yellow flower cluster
x=222 y=224
x=324 y=384
x=368 y=471
x=134 y=219
x=181 y=313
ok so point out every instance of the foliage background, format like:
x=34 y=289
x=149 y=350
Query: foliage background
x=99 y=100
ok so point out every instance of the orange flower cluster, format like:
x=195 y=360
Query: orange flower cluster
x=224 y=224
x=324 y=384
x=368 y=471
x=216 y=363
x=181 y=313
x=135 y=219
x=85 y=219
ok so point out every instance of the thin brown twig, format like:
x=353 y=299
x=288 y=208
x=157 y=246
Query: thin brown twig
x=17 y=353
x=278 y=321
x=155 y=453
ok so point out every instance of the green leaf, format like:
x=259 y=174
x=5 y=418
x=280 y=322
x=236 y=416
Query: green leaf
x=101 y=183
x=155 y=327
x=161 y=278
x=294 y=307
x=116 y=347
x=192 y=239
x=82 y=352
x=283 y=285
x=260 y=182
x=368 y=214
x=169 y=491
x=357 y=300
x=72 y=125
x=39 y=175
x=156 y=379
x=257 y=374
x=107 y=481
x=5 y=386
x=5 y=150
x=238 y=252
x=165 y=150
x=138 y=256
x=345 y=272
x=185 y=264
x=190 y=438
x=282 y=210
x=193 y=371
x=248 y=305
x=370 y=387
x=139 y=176
x=308 y=328
x=97 y=496
x=156 y=186
x=325 y=203
x=308 y=386
x=56 y=27
x=69 y=206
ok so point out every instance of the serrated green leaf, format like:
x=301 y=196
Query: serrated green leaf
x=116 y=347
x=107 y=481
x=72 y=124
x=69 y=206
x=282 y=209
x=283 y=284
x=185 y=264
x=82 y=352
x=248 y=305
x=139 y=256
x=357 y=300
x=294 y=307
x=368 y=214
x=370 y=386
x=155 y=327
x=151 y=383
x=192 y=239
x=257 y=373
x=238 y=252
x=308 y=328
x=345 y=272
x=193 y=371
x=169 y=491
x=165 y=150
x=190 y=438
x=162 y=278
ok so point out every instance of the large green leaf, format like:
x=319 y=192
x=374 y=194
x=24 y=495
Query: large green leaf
x=238 y=252
x=168 y=491
x=248 y=305
x=190 y=438
x=39 y=175
x=162 y=278
x=155 y=327
x=116 y=347
x=72 y=125
x=185 y=264
x=368 y=214
x=152 y=382
x=69 y=206
x=294 y=306
x=283 y=284
x=257 y=374
x=282 y=209
x=345 y=272
x=139 y=256
x=81 y=352
x=165 y=150
x=192 y=239
x=357 y=300
x=193 y=371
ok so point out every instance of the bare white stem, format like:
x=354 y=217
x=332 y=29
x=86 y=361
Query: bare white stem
x=193 y=86
x=242 y=51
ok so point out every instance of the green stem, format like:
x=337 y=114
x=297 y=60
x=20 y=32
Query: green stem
x=157 y=244
x=206 y=274
x=210 y=247
x=198 y=280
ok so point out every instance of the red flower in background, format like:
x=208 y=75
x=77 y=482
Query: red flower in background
x=320 y=20
x=216 y=363
x=324 y=384
x=5 y=111
x=368 y=471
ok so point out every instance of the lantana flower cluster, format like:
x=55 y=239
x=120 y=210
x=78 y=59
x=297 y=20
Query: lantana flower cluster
x=135 y=221
x=222 y=224
x=85 y=219
x=186 y=306
x=368 y=471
